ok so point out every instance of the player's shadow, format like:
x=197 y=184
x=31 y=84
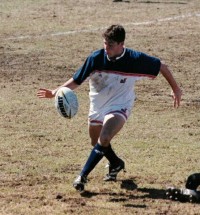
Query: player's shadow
x=129 y=185
x=152 y=193
x=125 y=184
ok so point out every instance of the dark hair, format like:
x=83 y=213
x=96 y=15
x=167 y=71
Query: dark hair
x=115 y=33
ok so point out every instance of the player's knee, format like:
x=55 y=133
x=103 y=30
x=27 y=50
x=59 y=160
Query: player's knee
x=105 y=140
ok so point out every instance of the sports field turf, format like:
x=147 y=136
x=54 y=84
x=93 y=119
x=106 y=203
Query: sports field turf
x=42 y=43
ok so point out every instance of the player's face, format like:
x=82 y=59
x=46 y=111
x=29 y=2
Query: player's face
x=113 y=49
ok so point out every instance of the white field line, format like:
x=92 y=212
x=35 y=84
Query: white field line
x=102 y=28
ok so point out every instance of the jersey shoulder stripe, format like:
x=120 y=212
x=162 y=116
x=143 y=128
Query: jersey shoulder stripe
x=125 y=74
x=133 y=63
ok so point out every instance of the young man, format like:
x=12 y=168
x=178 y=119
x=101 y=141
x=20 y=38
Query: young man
x=112 y=73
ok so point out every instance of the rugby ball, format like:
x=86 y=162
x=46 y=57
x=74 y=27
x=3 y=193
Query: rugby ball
x=66 y=102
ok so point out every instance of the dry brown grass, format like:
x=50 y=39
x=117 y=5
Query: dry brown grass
x=41 y=153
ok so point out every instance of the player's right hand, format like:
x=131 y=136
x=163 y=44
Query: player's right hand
x=45 y=93
x=176 y=95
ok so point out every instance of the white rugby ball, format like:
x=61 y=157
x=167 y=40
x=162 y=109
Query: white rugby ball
x=66 y=102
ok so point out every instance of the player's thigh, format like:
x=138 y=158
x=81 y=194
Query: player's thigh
x=94 y=132
x=113 y=123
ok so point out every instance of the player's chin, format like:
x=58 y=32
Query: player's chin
x=109 y=54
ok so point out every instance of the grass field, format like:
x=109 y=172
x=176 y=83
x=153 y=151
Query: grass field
x=42 y=43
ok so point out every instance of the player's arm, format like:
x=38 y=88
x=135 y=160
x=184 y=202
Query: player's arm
x=47 y=93
x=165 y=71
x=80 y=75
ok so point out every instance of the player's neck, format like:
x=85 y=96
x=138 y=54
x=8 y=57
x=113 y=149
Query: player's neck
x=117 y=57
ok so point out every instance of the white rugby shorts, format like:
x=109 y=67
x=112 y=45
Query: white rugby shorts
x=97 y=117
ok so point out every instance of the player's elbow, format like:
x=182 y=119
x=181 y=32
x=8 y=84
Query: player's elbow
x=164 y=69
x=163 y=66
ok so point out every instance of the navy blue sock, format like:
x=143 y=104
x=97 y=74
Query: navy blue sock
x=111 y=156
x=96 y=155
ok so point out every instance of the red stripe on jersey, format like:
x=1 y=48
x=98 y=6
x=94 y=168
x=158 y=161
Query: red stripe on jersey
x=124 y=74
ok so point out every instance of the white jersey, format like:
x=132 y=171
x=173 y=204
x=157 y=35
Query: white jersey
x=110 y=89
x=112 y=82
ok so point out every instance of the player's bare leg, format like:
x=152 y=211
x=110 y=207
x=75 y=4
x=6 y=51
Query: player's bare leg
x=94 y=132
x=113 y=123
x=111 y=126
